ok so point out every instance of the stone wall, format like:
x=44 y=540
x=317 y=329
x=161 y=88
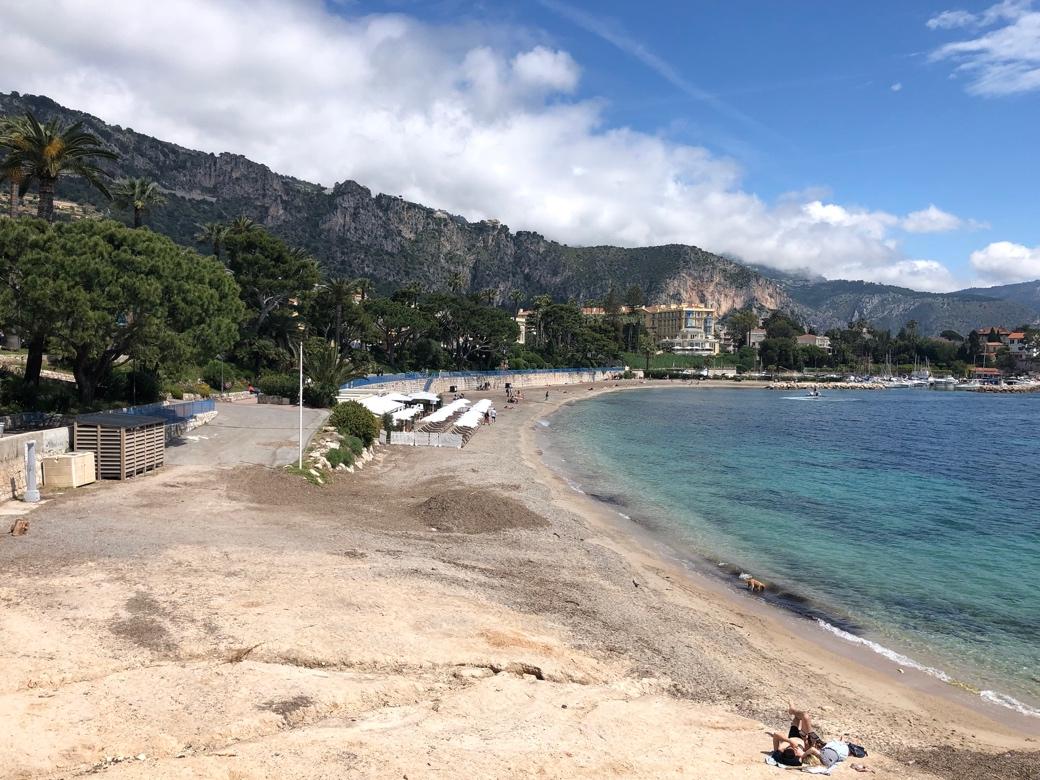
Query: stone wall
x=53 y=441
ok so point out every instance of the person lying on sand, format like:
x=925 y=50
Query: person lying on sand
x=830 y=753
x=788 y=751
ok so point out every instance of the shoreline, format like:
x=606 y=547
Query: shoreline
x=639 y=541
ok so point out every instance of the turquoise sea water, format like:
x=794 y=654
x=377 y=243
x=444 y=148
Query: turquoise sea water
x=908 y=520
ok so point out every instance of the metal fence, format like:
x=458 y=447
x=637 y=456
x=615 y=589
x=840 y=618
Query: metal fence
x=174 y=412
x=431 y=376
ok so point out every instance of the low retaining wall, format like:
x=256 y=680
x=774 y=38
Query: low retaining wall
x=423 y=439
x=498 y=380
x=53 y=441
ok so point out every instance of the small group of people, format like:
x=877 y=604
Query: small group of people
x=490 y=416
x=803 y=747
x=514 y=396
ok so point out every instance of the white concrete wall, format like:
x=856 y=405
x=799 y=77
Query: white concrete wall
x=53 y=441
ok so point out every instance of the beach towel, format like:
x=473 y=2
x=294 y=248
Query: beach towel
x=813 y=770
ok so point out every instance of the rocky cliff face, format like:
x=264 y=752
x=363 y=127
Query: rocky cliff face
x=355 y=233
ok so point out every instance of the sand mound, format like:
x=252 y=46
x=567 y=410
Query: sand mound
x=476 y=512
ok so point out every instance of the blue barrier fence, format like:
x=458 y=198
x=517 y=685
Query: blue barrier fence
x=172 y=413
x=430 y=376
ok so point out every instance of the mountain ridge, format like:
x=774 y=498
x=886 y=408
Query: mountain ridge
x=353 y=232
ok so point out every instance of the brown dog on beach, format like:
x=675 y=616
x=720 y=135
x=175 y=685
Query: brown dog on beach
x=755 y=586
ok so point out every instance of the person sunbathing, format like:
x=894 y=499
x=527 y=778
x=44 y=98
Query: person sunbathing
x=788 y=751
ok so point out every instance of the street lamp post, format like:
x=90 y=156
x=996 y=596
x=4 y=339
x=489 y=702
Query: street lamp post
x=295 y=304
x=301 y=402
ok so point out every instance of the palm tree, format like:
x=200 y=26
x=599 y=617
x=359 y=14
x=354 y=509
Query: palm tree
x=363 y=286
x=239 y=226
x=43 y=152
x=212 y=233
x=10 y=171
x=517 y=297
x=341 y=291
x=138 y=194
x=327 y=368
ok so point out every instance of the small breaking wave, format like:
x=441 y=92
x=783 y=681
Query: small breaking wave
x=891 y=655
x=1010 y=702
x=543 y=422
x=993 y=697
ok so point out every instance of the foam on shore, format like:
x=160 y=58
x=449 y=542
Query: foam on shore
x=993 y=697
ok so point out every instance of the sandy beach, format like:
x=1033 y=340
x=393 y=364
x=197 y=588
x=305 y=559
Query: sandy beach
x=442 y=613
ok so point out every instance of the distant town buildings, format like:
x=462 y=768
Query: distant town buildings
x=756 y=336
x=521 y=320
x=683 y=328
x=812 y=340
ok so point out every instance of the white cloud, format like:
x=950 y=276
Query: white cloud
x=918 y=275
x=477 y=120
x=544 y=68
x=1003 y=61
x=1004 y=262
x=931 y=220
x=949 y=20
x=897 y=87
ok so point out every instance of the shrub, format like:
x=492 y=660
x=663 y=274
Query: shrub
x=201 y=388
x=283 y=385
x=338 y=455
x=319 y=396
x=352 y=419
x=354 y=444
x=212 y=373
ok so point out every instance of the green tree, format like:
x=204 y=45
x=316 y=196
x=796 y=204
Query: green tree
x=739 y=325
x=780 y=353
x=138 y=194
x=241 y=226
x=328 y=370
x=647 y=348
x=634 y=297
x=951 y=335
x=455 y=282
x=517 y=297
x=477 y=336
x=364 y=287
x=214 y=234
x=1006 y=360
x=269 y=274
x=26 y=305
x=395 y=325
x=122 y=292
x=10 y=169
x=42 y=153
x=782 y=326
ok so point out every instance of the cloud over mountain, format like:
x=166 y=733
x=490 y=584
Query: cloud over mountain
x=483 y=121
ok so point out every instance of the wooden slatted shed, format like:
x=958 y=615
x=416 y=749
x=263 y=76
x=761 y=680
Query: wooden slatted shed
x=124 y=445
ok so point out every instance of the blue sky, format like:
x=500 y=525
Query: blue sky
x=842 y=97
x=887 y=141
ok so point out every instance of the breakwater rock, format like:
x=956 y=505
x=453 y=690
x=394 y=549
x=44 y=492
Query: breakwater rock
x=825 y=386
x=1009 y=389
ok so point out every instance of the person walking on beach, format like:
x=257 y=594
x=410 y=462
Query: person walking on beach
x=546 y=395
x=494 y=415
